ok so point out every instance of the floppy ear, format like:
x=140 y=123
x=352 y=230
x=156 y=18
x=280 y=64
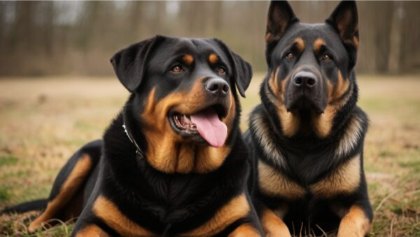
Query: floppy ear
x=345 y=21
x=242 y=70
x=280 y=17
x=129 y=63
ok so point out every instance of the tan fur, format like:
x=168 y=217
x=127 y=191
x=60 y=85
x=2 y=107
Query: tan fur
x=318 y=43
x=188 y=59
x=354 y=224
x=91 y=231
x=245 y=230
x=323 y=123
x=342 y=180
x=169 y=152
x=300 y=44
x=235 y=209
x=340 y=88
x=264 y=134
x=210 y=158
x=108 y=212
x=350 y=138
x=273 y=183
x=273 y=225
x=289 y=121
x=273 y=83
x=268 y=37
x=356 y=42
x=67 y=191
x=213 y=58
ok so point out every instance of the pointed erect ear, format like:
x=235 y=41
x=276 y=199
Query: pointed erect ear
x=129 y=63
x=242 y=70
x=280 y=17
x=345 y=21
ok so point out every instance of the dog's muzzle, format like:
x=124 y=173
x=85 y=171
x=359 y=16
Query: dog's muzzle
x=306 y=91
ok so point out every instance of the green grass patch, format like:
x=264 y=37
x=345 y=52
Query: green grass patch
x=39 y=138
x=4 y=194
x=413 y=165
x=6 y=160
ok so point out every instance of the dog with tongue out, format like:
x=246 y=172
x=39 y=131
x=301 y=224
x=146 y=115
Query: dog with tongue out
x=210 y=128
x=173 y=162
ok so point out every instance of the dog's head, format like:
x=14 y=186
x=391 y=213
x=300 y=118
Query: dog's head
x=311 y=66
x=184 y=94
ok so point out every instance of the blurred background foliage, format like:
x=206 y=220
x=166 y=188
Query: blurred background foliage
x=78 y=38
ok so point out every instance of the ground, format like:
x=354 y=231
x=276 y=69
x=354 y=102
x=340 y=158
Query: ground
x=44 y=120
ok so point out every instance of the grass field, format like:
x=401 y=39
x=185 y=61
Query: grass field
x=43 y=121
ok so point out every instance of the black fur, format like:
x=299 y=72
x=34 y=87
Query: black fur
x=35 y=205
x=163 y=202
x=305 y=157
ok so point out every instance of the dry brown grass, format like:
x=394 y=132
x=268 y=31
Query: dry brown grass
x=43 y=121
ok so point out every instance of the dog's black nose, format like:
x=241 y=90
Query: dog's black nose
x=305 y=79
x=217 y=86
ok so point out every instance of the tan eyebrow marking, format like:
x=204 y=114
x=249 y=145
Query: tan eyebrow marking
x=213 y=58
x=188 y=59
x=318 y=43
x=300 y=44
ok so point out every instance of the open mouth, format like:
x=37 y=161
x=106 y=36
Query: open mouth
x=183 y=123
x=205 y=124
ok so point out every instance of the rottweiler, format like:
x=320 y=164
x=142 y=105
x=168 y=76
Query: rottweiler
x=307 y=134
x=173 y=162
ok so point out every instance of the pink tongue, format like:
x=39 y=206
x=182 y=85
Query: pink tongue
x=210 y=127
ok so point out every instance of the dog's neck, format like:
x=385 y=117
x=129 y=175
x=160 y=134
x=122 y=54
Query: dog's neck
x=298 y=154
x=184 y=158
x=143 y=184
x=127 y=131
x=170 y=157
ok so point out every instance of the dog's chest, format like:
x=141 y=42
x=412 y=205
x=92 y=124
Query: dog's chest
x=340 y=180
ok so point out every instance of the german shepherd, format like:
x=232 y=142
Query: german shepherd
x=307 y=134
x=173 y=162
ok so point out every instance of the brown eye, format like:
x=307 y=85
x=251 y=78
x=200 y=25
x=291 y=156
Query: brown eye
x=325 y=57
x=221 y=70
x=177 y=69
x=290 y=56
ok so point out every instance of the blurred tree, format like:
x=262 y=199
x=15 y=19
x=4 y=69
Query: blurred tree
x=24 y=26
x=394 y=59
x=38 y=38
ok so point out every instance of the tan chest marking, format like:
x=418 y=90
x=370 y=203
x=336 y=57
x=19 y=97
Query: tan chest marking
x=114 y=218
x=235 y=209
x=323 y=123
x=273 y=183
x=264 y=135
x=350 y=138
x=289 y=121
x=345 y=179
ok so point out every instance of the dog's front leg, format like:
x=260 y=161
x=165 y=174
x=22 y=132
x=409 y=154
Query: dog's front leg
x=91 y=230
x=245 y=230
x=273 y=225
x=355 y=223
